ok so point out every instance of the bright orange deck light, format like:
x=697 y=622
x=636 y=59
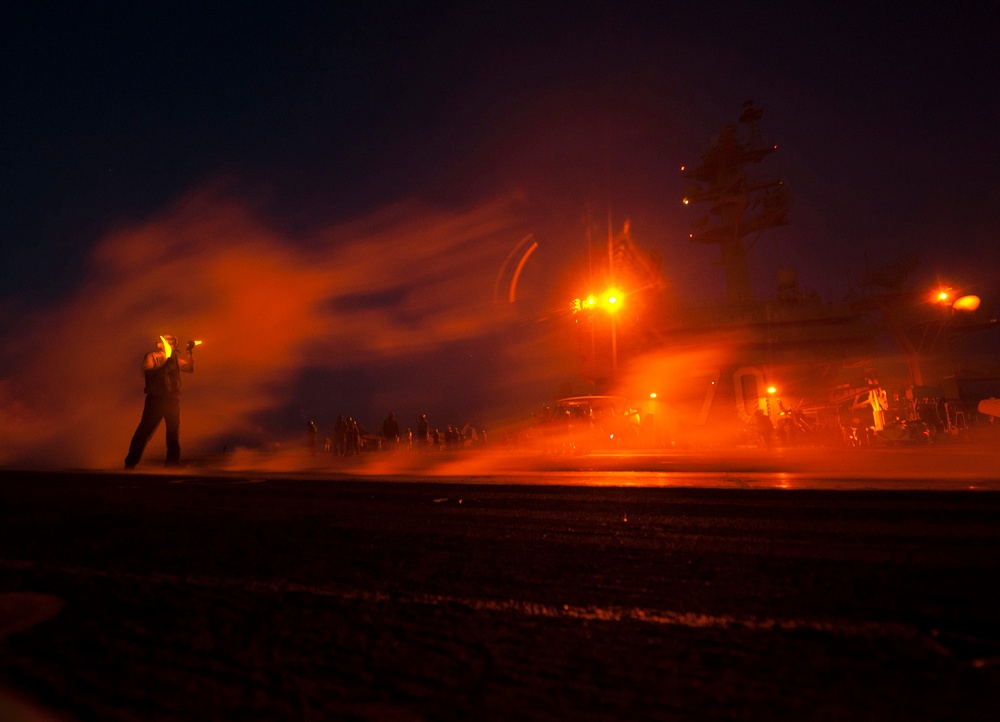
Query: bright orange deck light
x=967 y=303
x=612 y=300
x=772 y=390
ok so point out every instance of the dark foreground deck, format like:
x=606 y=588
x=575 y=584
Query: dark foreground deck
x=200 y=596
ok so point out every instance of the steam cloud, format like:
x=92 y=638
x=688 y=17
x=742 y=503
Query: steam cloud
x=404 y=281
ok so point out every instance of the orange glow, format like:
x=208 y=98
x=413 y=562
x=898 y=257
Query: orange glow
x=967 y=303
x=512 y=295
x=612 y=300
x=506 y=264
x=652 y=395
x=300 y=298
x=686 y=201
x=772 y=390
x=941 y=295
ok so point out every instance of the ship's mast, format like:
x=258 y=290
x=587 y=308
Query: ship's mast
x=738 y=206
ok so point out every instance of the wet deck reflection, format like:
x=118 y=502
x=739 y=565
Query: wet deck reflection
x=972 y=467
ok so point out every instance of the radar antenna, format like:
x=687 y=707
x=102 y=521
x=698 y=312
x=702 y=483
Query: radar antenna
x=738 y=206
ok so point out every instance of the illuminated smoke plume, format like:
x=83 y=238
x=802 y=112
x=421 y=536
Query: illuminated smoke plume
x=401 y=283
x=685 y=378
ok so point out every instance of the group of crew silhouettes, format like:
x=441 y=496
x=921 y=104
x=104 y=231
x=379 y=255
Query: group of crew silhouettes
x=350 y=437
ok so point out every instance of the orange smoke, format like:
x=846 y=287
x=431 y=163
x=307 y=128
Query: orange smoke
x=679 y=385
x=404 y=280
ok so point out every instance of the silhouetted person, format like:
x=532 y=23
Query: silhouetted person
x=162 y=369
x=313 y=435
x=340 y=436
x=353 y=437
x=764 y=428
x=390 y=431
x=941 y=409
x=423 y=438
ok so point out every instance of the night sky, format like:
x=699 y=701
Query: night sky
x=368 y=167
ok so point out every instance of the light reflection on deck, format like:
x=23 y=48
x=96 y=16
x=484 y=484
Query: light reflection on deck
x=949 y=468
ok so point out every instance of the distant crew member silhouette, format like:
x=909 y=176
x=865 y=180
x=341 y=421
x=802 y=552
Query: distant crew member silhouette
x=340 y=436
x=162 y=369
x=390 y=431
x=423 y=438
x=765 y=429
x=312 y=438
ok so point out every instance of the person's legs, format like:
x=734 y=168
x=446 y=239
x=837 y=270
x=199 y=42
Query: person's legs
x=172 y=417
x=151 y=415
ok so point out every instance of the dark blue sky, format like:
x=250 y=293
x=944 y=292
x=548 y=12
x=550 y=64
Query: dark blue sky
x=885 y=115
x=320 y=129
